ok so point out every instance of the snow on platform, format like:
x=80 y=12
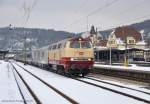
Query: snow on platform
x=9 y=93
x=81 y=92
x=132 y=67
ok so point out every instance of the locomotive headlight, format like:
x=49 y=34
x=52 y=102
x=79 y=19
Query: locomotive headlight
x=72 y=59
x=89 y=59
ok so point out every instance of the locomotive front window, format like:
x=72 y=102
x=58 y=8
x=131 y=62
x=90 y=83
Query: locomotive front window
x=85 y=44
x=74 y=44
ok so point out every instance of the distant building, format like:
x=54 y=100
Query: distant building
x=3 y=54
x=124 y=42
x=95 y=37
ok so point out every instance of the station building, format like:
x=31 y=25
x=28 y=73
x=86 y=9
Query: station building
x=123 y=42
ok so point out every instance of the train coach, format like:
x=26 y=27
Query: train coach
x=72 y=56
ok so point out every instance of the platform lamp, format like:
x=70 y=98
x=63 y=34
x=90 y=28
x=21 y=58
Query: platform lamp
x=125 y=57
x=110 y=54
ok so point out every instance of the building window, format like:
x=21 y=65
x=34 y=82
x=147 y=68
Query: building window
x=112 y=42
x=131 y=41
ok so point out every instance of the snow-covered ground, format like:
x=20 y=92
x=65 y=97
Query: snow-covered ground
x=81 y=92
x=133 y=86
x=9 y=92
x=121 y=89
x=44 y=93
x=132 y=67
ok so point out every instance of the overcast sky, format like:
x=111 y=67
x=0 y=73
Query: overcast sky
x=71 y=15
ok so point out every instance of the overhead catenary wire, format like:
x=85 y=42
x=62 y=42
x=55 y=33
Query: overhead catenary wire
x=127 y=10
x=93 y=12
x=81 y=6
x=129 y=22
x=28 y=10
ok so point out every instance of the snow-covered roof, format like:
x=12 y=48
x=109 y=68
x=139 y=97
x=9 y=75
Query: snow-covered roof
x=142 y=31
x=100 y=48
x=141 y=43
x=113 y=32
x=119 y=41
x=100 y=35
x=10 y=55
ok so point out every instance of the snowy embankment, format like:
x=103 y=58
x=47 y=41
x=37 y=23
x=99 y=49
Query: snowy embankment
x=81 y=92
x=132 y=67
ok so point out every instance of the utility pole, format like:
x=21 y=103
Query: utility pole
x=87 y=23
x=125 y=57
x=25 y=46
x=96 y=36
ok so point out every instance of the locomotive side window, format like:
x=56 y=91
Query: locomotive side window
x=85 y=44
x=50 y=47
x=74 y=44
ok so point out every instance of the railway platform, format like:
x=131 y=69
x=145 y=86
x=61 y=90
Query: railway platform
x=133 y=72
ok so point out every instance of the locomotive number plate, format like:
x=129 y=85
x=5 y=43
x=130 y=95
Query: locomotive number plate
x=81 y=53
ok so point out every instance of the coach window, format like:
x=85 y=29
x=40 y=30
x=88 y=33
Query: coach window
x=54 y=47
x=42 y=54
x=38 y=54
x=74 y=44
x=64 y=44
x=49 y=47
x=59 y=45
x=34 y=54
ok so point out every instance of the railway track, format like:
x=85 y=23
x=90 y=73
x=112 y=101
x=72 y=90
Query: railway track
x=36 y=99
x=121 y=86
x=115 y=90
x=110 y=89
x=48 y=85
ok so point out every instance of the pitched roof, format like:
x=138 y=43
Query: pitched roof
x=102 y=42
x=123 y=32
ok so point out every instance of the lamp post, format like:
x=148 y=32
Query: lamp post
x=25 y=56
x=110 y=55
x=125 y=57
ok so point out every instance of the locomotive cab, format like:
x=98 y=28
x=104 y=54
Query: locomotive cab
x=78 y=56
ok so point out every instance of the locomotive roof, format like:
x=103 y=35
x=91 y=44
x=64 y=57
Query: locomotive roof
x=62 y=41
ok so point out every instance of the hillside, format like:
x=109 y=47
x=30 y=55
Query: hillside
x=15 y=38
